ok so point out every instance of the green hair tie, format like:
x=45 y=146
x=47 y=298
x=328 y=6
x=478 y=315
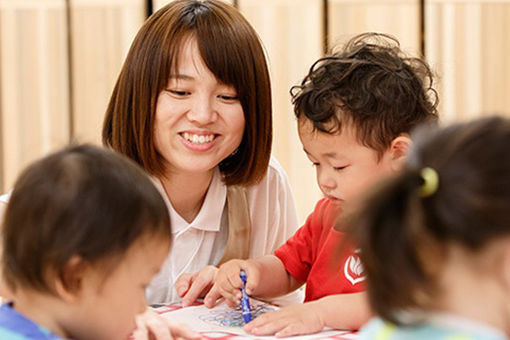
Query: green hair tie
x=430 y=182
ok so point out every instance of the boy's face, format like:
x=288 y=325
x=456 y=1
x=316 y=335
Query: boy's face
x=109 y=304
x=344 y=167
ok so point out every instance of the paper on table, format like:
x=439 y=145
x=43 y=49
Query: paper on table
x=223 y=322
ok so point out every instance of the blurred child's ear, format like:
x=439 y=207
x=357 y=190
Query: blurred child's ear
x=398 y=151
x=69 y=282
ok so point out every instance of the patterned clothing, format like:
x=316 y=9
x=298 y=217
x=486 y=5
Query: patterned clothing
x=15 y=326
x=440 y=327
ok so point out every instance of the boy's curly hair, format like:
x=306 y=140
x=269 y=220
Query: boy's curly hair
x=370 y=84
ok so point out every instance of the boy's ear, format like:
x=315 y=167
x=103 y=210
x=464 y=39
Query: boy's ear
x=398 y=151
x=69 y=282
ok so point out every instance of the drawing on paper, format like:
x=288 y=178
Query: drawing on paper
x=232 y=317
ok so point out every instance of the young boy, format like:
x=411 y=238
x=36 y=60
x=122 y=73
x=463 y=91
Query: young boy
x=355 y=110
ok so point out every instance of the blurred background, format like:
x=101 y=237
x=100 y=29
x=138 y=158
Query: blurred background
x=59 y=60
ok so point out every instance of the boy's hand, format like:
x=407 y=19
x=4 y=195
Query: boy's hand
x=292 y=320
x=228 y=281
x=193 y=286
x=152 y=326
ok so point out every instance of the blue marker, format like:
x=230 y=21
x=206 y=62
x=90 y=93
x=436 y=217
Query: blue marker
x=245 y=300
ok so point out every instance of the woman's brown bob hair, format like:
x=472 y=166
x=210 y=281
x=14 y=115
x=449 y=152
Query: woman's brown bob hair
x=232 y=51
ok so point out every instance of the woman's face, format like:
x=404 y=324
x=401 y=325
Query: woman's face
x=199 y=121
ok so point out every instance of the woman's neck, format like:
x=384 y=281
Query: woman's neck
x=186 y=192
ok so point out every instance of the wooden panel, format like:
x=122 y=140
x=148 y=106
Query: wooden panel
x=468 y=44
x=495 y=49
x=34 y=96
x=157 y=4
x=291 y=31
x=400 y=18
x=102 y=32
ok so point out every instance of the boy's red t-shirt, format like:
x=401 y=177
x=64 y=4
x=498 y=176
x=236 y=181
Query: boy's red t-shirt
x=312 y=255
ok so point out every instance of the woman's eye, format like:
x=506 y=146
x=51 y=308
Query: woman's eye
x=339 y=168
x=315 y=164
x=228 y=98
x=178 y=93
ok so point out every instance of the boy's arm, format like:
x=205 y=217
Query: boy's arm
x=266 y=277
x=341 y=311
x=273 y=279
x=344 y=311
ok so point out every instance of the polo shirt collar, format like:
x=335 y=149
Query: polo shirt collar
x=209 y=216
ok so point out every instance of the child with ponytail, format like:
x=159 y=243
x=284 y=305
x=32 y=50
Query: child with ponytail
x=435 y=239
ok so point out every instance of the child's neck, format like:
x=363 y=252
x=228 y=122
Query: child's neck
x=474 y=294
x=41 y=309
x=187 y=191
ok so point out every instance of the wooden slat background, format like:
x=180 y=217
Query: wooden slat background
x=34 y=86
x=101 y=36
x=468 y=43
x=59 y=60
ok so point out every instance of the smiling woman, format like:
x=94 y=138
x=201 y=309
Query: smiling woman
x=199 y=120
x=192 y=106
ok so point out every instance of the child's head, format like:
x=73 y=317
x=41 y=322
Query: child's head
x=355 y=109
x=442 y=224
x=84 y=232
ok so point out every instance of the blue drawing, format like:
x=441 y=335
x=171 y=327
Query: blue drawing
x=233 y=317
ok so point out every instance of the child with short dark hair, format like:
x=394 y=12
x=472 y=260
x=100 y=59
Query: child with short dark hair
x=83 y=234
x=355 y=110
x=435 y=239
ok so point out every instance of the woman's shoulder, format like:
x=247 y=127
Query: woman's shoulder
x=4 y=199
x=275 y=179
x=272 y=191
x=274 y=165
x=275 y=172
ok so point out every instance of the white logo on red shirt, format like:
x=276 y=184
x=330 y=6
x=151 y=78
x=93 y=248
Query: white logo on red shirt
x=353 y=268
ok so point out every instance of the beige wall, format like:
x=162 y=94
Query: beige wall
x=291 y=48
x=102 y=32
x=468 y=44
x=400 y=18
x=34 y=83
x=53 y=89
